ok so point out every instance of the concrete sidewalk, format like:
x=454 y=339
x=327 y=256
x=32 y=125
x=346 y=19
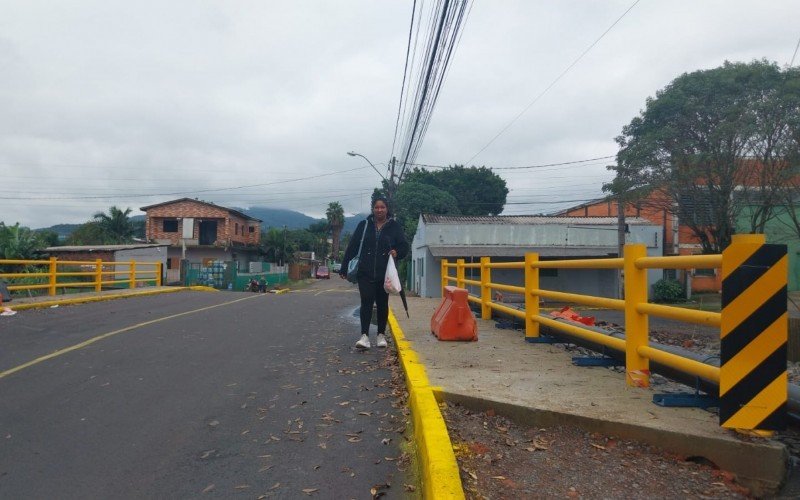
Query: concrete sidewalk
x=537 y=384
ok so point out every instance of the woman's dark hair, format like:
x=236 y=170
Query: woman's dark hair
x=382 y=198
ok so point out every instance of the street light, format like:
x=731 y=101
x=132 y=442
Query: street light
x=389 y=182
x=352 y=153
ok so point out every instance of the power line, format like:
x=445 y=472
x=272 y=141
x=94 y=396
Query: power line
x=178 y=193
x=525 y=167
x=405 y=72
x=791 y=63
x=552 y=84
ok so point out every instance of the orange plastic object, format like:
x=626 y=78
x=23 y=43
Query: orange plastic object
x=453 y=319
x=567 y=313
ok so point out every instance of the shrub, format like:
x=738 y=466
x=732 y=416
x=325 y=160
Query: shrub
x=667 y=290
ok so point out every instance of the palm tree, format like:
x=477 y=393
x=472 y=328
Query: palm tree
x=18 y=242
x=335 y=215
x=116 y=224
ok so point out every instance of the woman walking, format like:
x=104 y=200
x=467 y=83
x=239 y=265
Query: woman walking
x=384 y=237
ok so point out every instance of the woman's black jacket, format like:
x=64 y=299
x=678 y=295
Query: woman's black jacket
x=375 y=252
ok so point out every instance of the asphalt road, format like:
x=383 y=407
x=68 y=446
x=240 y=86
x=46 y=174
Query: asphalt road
x=196 y=394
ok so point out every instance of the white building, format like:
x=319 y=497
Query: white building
x=509 y=238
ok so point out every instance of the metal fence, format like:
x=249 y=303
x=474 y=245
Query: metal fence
x=753 y=323
x=47 y=276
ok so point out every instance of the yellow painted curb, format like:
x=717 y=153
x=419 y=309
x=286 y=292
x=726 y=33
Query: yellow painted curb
x=439 y=469
x=99 y=298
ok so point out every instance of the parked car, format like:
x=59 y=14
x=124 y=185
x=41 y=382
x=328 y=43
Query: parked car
x=323 y=273
x=337 y=266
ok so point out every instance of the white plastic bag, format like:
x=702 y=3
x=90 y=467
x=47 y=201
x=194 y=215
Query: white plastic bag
x=392 y=281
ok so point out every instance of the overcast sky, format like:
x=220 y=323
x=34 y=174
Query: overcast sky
x=134 y=103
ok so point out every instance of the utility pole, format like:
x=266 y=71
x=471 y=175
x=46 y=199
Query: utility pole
x=283 y=252
x=621 y=238
x=392 y=185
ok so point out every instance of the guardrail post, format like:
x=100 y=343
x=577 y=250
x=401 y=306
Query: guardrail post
x=132 y=275
x=460 y=273
x=444 y=275
x=531 y=300
x=51 y=290
x=159 y=270
x=754 y=334
x=486 y=290
x=637 y=367
x=98 y=275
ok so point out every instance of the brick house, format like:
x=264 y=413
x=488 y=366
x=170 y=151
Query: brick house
x=678 y=238
x=202 y=232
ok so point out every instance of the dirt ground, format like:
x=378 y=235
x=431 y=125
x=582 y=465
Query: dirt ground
x=499 y=459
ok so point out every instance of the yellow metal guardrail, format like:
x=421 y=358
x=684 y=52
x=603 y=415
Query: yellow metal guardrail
x=45 y=274
x=749 y=356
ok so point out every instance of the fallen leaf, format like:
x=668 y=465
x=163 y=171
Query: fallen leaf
x=354 y=439
x=499 y=477
x=473 y=476
x=207 y=453
x=344 y=403
x=599 y=447
x=242 y=487
x=309 y=491
x=365 y=413
x=276 y=486
x=214 y=423
x=410 y=487
x=209 y=488
x=386 y=440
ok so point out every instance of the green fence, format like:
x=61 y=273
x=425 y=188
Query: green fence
x=224 y=276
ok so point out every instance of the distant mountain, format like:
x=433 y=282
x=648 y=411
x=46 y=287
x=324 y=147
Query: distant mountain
x=271 y=217
x=62 y=230
x=279 y=217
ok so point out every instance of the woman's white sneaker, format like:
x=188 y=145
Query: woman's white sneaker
x=381 y=340
x=363 y=342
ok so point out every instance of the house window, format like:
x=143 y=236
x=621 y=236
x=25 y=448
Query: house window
x=236 y=231
x=252 y=229
x=705 y=272
x=170 y=226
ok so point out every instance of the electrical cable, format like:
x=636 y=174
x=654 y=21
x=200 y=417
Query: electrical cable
x=552 y=84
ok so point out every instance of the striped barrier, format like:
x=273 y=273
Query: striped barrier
x=753 y=331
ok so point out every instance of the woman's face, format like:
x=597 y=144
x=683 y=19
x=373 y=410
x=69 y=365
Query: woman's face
x=379 y=210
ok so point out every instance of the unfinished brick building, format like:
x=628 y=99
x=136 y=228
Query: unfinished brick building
x=202 y=232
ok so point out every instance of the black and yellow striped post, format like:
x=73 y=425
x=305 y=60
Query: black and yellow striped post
x=753 y=330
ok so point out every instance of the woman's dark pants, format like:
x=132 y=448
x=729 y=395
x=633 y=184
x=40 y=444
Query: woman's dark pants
x=372 y=292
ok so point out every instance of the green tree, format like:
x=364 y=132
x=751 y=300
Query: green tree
x=477 y=190
x=692 y=142
x=47 y=237
x=415 y=198
x=116 y=225
x=90 y=233
x=335 y=216
x=278 y=246
x=318 y=236
x=18 y=242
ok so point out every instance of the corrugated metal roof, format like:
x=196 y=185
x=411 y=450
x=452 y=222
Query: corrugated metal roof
x=100 y=248
x=530 y=220
x=520 y=251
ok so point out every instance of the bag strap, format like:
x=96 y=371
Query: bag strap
x=366 y=223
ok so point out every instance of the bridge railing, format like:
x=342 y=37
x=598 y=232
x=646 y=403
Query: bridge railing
x=53 y=274
x=743 y=275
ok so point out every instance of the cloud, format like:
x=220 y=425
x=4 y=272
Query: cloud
x=110 y=102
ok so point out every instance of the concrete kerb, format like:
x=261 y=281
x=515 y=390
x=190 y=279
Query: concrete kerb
x=439 y=469
x=99 y=298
